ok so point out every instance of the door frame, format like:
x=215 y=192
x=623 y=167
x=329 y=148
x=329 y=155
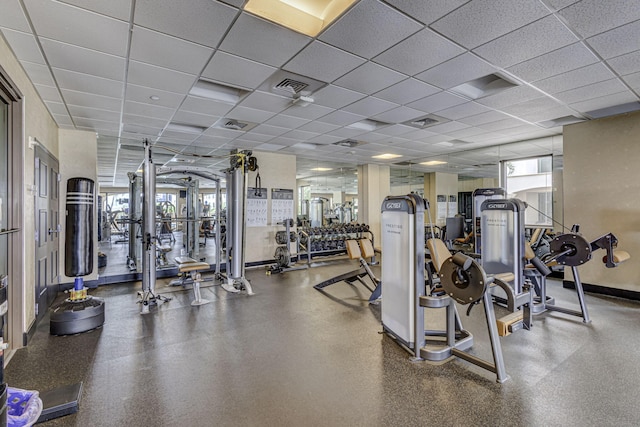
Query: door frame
x=15 y=219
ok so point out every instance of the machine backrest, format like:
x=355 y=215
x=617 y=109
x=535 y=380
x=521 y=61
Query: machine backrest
x=455 y=228
x=353 y=249
x=439 y=252
x=366 y=247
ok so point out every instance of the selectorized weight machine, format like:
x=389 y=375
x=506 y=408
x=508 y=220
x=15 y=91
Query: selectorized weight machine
x=406 y=298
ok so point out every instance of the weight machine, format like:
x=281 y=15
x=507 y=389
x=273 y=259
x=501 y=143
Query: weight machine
x=479 y=196
x=406 y=298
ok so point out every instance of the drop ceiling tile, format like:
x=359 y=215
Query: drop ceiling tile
x=83 y=99
x=142 y=94
x=266 y=101
x=269 y=147
x=368 y=28
x=488 y=117
x=323 y=62
x=120 y=9
x=281 y=140
x=590 y=17
x=301 y=135
x=189 y=118
x=138 y=132
x=570 y=80
x=370 y=78
x=545 y=114
x=287 y=121
x=605 y=101
x=409 y=55
x=311 y=112
x=204 y=21
x=370 y=106
x=500 y=125
x=165 y=51
x=463 y=110
x=181 y=138
x=346 y=132
x=326 y=140
x=341 y=118
x=511 y=96
x=618 y=41
x=336 y=97
x=94 y=113
x=528 y=42
x=396 y=130
x=80 y=82
x=467 y=132
x=223 y=133
x=236 y=71
x=270 y=130
x=626 y=64
x=142 y=74
x=242 y=144
x=427 y=12
x=63 y=120
x=96 y=125
x=633 y=80
x=437 y=102
x=318 y=127
x=557 y=62
x=24 y=46
x=69 y=24
x=398 y=115
x=149 y=122
x=74 y=58
x=147 y=110
x=480 y=21
x=13 y=17
x=445 y=128
x=196 y=104
x=249 y=114
x=456 y=71
x=57 y=108
x=596 y=90
x=38 y=73
x=407 y=91
x=255 y=137
x=262 y=41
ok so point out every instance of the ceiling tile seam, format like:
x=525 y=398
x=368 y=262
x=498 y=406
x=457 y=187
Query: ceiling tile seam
x=586 y=44
x=426 y=24
x=509 y=75
x=124 y=86
x=46 y=60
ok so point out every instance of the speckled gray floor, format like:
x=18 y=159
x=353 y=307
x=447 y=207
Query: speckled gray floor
x=293 y=356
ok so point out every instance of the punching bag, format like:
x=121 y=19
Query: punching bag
x=78 y=249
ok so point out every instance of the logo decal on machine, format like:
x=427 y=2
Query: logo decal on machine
x=497 y=205
x=393 y=205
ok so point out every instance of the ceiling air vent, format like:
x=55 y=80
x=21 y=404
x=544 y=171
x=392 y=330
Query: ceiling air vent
x=350 y=143
x=291 y=86
x=484 y=86
x=561 y=121
x=234 y=124
x=426 y=121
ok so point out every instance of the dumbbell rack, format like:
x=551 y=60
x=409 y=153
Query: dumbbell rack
x=329 y=241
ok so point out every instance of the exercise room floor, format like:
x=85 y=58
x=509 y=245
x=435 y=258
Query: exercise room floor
x=293 y=356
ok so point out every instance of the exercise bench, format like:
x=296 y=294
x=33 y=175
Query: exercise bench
x=358 y=249
x=190 y=270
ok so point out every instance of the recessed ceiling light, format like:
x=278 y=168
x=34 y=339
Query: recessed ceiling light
x=387 y=156
x=433 y=163
x=211 y=90
x=321 y=169
x=183 y=127
x=305 y=16
x=154 y=97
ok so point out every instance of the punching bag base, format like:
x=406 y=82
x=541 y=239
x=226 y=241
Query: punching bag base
x=74 y=317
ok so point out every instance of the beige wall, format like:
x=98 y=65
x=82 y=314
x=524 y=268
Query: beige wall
x=373 y=187
x=439 y=183
x=78 y=156
x=601 y=192
x=38 y=124
x=276 y=171
x=469 y=185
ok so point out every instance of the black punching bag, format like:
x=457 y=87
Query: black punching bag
x=78 y=249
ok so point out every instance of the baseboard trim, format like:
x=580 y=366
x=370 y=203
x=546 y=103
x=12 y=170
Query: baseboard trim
x=604 y=290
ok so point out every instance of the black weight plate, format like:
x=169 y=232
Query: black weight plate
x=578 y=247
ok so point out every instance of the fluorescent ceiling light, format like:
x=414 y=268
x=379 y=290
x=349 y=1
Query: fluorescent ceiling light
x=305 y=16
x=181 y=127
x=321 y=169
x=366 y=124
x=211 y=90
x=433 y=163
x=387 y=156
x=484 y=86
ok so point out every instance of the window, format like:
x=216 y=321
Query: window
x=530 y=180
